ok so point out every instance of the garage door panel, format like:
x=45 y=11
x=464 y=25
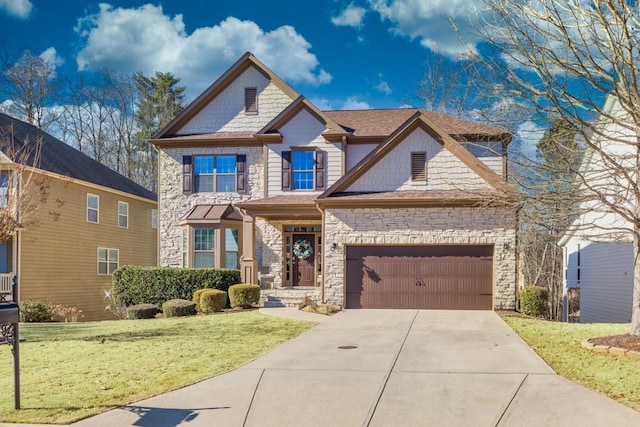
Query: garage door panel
x=414 y=277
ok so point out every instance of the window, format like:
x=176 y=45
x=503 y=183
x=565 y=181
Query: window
x=578 y=265
x=419 y=166
x=154 y=218
x=107 y=260
x=215 y=172
x=251 y=100
x=123 y=214
x=93 y=206
x=4 y=191
x=203 y=244
x=231 y=249
x=302 y=163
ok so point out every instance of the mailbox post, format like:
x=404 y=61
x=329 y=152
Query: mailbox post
x=9 y=319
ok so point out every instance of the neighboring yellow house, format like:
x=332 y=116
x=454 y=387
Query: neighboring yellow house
x=93 y=221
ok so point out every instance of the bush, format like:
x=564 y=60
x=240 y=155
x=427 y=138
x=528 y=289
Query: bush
x=156 y=285
x=244 y=295
x=178 y=308
x=212 y=300
x=196 y=298
x=534 y=300
x=142 y=311
x=35 y=311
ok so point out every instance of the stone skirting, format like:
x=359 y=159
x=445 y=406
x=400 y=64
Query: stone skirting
x=288 y=297
x=616 y=351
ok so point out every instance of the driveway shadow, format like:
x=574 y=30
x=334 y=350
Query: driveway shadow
x=165 y=417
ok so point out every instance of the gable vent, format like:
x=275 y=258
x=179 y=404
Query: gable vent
x=419 y=166
x=251 y=100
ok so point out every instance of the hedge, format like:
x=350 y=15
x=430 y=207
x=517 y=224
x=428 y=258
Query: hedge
x=244 y=295
x=212 y=300
x=178 y=308
x=156 y=285
x=534 y=300
x=142 y=311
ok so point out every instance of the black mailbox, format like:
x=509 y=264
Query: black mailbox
x=9 y=313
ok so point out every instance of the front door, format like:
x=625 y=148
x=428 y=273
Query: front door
x=303 y=256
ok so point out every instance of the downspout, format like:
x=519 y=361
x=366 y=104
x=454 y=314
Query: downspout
x=517 y=249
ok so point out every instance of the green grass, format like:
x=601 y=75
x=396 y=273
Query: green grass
x=73 y=370
x=559 y=345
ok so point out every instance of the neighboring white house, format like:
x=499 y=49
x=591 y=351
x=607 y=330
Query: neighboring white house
x=597 y=248
x=390 y=208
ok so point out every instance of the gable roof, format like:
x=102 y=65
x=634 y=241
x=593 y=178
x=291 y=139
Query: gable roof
x=299 y=104
x=247 y=60
x=61 y=159
x=418 y=120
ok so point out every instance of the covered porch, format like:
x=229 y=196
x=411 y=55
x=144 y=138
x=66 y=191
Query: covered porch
x=288 y=256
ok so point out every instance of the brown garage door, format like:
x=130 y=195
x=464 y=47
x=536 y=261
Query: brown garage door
x=420 y=277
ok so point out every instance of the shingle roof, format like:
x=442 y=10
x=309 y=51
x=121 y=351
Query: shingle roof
x=60 y=158
x=384 y=122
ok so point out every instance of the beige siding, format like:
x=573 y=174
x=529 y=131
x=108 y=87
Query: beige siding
x=304 y=130
x=226 y=112
x=357 y=152
x=444 y=170
x=58 y=258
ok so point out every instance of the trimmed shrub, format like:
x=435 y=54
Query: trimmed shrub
x=142 y=311
x=534 y=300
x=179 y=308
x=244 y=295
x=196 y=298
x=35 y=311
x=212 y=300
x=156 y=285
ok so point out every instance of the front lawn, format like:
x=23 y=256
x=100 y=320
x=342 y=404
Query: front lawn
x=559 y=345
x=74 y=370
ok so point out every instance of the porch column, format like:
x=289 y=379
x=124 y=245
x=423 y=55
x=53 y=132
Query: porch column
x=248 y=263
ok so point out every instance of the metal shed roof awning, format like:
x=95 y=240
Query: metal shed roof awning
x=207 y=214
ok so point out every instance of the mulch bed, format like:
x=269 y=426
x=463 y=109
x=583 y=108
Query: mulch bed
x=630 y=342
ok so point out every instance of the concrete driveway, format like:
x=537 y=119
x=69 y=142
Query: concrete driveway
x=386 y=368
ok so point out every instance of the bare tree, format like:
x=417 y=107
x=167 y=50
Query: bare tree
x=30 y=86
x=22 y=189
x=561 y=59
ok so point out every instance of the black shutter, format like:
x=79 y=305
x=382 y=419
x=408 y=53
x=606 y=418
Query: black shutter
x=187 y=175
x=241 y=173
x=286 y=170
x=320 y=168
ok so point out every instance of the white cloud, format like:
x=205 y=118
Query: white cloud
x=352 y=16
x=352 y=103
x=429 y=21
x=383 y=87
x=18 y=8
x=145 y=39
x=51 y=56
x=527 y=136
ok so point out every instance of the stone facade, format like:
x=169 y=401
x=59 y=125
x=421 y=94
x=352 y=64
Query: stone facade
x=414 y=226
x=173 y=204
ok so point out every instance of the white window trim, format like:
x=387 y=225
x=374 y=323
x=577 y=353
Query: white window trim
x=121 y=215
x=154 y=218
x=97 y=221
x=98 y=261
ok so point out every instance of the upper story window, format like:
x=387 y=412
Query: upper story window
x=303 y=169
x=123 y=214
x=4 y=191
x=251 y=100
x=93 y=207
x=215 y=173
x=154 y=218
x=302 y=164
x=419 y=166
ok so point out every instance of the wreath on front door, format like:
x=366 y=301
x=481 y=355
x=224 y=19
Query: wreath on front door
x=302 y=249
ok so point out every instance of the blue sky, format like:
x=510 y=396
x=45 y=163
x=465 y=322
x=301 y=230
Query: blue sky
x=340 y=54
